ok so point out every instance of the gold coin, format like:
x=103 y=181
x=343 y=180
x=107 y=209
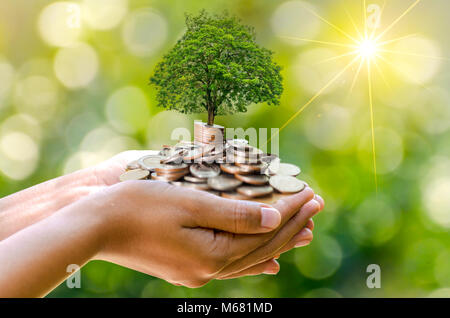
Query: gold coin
x=286 y=184
x=283 y=169
x=135 y=174
x=257 y=179
x=255 y=191
x=224 y=183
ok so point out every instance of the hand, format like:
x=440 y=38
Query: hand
x=189 y=237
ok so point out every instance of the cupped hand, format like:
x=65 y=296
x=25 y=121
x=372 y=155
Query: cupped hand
x=189 y=237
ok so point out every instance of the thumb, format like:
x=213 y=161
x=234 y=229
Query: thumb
x=237 y=216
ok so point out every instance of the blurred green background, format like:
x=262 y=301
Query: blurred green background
x=74 y=91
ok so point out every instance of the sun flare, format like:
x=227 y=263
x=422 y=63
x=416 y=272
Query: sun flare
x=367 y=48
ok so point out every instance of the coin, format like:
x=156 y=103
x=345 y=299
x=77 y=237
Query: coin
x=167 y=177
x=258 y=179
x=283 y=169
x=135 y=174
x=286 y=184
x=255 y=191
x=234 y=196
x=171 y=168
x=150 y=162
x=176 y=157
x=224 y=183
x=229 y=168
x=249 y=168
x=133 y=165
x=268 y=158
x=195 y=179
x=197 y=153
x=204 y=171
x=238 y=143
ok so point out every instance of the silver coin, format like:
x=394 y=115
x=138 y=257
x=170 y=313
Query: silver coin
x=257 y=179
x=255 y=191
x=135 y=174
x=204 y=171
x=195 y=179
x=150 y=162
x=286 y=184
x=224 y=183
x=283 y=169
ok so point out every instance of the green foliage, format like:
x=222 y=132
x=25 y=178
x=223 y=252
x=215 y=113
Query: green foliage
x=217 y=67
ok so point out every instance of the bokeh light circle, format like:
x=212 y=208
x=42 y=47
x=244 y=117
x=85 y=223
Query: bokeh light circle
x=311 y=73
x=416 y=65
x=321 y=259
x=19 y=153
x=162 y=125
x=98 y=145
x=329 y=128
x=293 y=20
x=127 y=110
x=76 y=66
x=436 y=190
x=59 y=23
x=144 y=32
x=389 y=150
x=104 y=14
x=375 y=221
x=37 y=95
x=22 y=123
x=6 y=79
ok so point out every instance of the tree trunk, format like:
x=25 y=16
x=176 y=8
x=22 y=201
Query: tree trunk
x=210 y=116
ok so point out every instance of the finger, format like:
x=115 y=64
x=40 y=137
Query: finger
x=305 y=236
x=242 y=245
x=310 y=224
x=273 y=247
x=270 y=267
x=290 y=205
x=234 y=216
x=320 y=200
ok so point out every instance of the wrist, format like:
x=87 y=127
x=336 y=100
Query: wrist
x=31 y=205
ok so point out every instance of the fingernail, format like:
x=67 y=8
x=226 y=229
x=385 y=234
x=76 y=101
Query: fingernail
x=271 y=270
x=270 y=218
x=302 y=243
x=304 y=232
x=320 y=200
x=317 y=210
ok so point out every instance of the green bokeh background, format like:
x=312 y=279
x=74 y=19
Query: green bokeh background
x=55 y=118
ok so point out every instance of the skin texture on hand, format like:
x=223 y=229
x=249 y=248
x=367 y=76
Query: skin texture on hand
x=184 y=236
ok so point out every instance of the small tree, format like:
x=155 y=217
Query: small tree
x=216 y=67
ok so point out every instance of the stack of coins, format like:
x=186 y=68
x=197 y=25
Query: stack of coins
x=233 y=170
x=205 y=134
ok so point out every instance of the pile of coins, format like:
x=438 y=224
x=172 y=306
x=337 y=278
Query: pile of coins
x=206 y=135
x=232 y=169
